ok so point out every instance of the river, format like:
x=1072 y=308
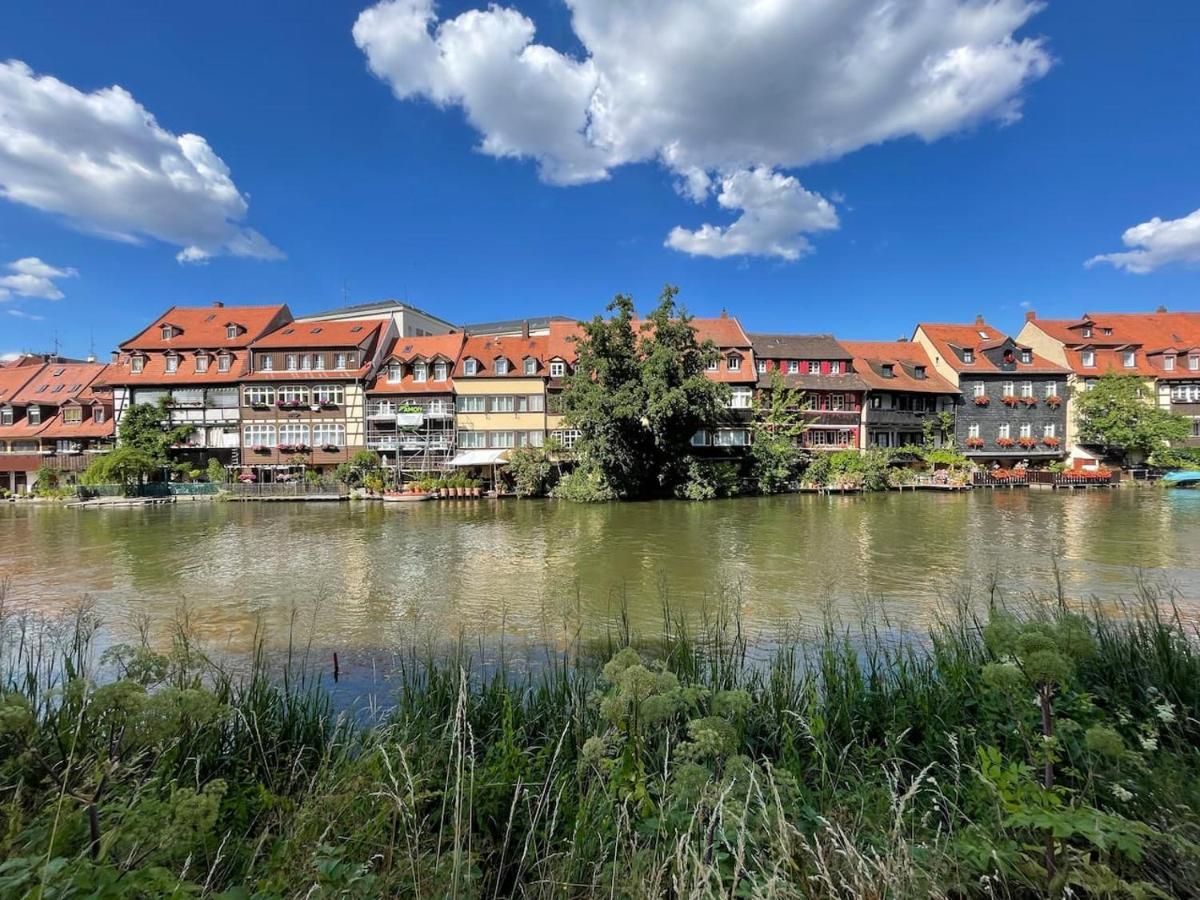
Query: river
x=362 y=578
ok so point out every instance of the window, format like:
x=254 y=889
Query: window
x=136 y=364
x=837 y=402
x=835 y=367
x=558 y=368
x=339 y=360
x=231 y=332
x=34 y=415
x=1048 y=431
x=472 y=404
x=535 y=439
x=734 y=363
x=470 y=367
x=6 y=416
x=1007 y=389
x=567 y=437
x=72 y=415
x=761 y=366
x=224 y=361
x=319 y=361
x=1129 y=359
x=503 y=404
x=420 y=372
x=1004 y=431
x=472 y=440
x=700 y=438
x=713 y=366
x=1087 y=331
x=1088 y=358
x=973 y=430
x=99 y=415
x=1026 y=356
x=395 y=372
x=329 y=434
x=266 y=363
x=334 y=394
x=439 y=371
x=1026 y=388
x=980 y=389
x=500 y=440
x=919 y=373
x=290 y=365
x=1051 y=389
x=293 y=433
x=305 y=362
x=814 y=367
x=531 y=403
x=1194 y=363
x=876 y=401
x=1186 y=393
x=501 y=366
x=793 y=366
x=1026 y=430
x=889 y=371
x=258 y=435
x=167 y=332
x=968 y=356
x=741 y=398
x=731 y=437
x=293 y=393
x=1169 y=363
x=172 y=364
x=258 y=395
x=531 y=367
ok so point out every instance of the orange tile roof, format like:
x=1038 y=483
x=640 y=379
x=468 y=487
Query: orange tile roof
x=204 y=327
x=408 y=349
x=1147 y=334
x=515 y=348
x=58 y=429
x=351 y=333
x=981 y=337
x=12 y=379
x=903 y=357
x=55 y=383
x=154 y=370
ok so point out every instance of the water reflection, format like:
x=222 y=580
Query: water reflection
x=368 y=577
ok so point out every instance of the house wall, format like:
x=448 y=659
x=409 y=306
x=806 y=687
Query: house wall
x=990 y=417
x=500 y=421
x=940 y=365
x=351 y=413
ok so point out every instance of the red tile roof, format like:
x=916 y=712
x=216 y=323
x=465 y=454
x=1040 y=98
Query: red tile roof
x=1147 y=334
x=410 y=349
x=515 y=348
x=301 y=335
x=154 y=370
x=981 y=337
x=204 y=327
x=903 y=356
x=12 y=379
x=55 y=383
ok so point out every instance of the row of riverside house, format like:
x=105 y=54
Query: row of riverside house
x=267 y=393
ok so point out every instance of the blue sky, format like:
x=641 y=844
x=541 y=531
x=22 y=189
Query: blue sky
x=352 y=192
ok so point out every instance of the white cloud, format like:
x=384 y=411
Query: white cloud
x=33 y=278
x=1156 y=243
x=24 y=315
x=710 y=87
x=776 y=214
x=103 y=162
x=9 y=356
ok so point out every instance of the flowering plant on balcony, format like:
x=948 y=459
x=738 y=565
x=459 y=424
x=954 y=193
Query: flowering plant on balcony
x=1004 y=442
x=331 y=448
x=1027 y=443
x=1009 y=400
x=975 y=443
x=982 y=401
x=1054 y=401
x=1029 y=401
x=260 y=448
x=1051 y=442
x=285 y=448
x=288 y=404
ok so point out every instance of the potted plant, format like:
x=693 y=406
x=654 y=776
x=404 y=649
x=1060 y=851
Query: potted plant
x=1050 y=442
x=982 y=401
x=1009 y=400
x=476 y=487
x=1006 y=443
x=260 y=448
x=1054 y=401
x=1027 y=443
x=1029 y=402
x=460 y=486
x=331 y=448
x=975 y=443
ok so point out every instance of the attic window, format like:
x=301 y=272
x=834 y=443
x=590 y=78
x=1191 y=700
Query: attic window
x=982 y=334
x=889 y=371
x=223 y=362
x=172 y=364
x=470 y=367
x=1168 y=363
x=201 y=363
x=1026 y=356
x=356 y=329
x=1087 y=331
x=289 y=331
x=231 y=332
x=501 y=366
x=316 y=330
x=531 y=366
x=58 y=372
x=73 y=388
x=135 y=364
x=167 y=332
x=1130 y=359
x=42 y=388
x=968 y=356
x=1106 y=331
x=57 y=389
x=210 y=317
x=919 y=372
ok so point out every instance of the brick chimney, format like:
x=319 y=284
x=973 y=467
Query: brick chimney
x=1161 y=309
x=525 y=328
x=217 y=304
x=724 y=313
x=1030 y=315
x=979 y=320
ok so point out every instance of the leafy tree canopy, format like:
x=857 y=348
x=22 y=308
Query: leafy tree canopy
x=638 y=394
x=1117 y=415
x=146 y=427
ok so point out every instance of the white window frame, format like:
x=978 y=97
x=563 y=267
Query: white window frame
x=266 y=363
x=440 y=371
x=167 y=332
x=231 y=332
x=501 y=440
x=793 y=367
x=1026 y=388
x=290 y=362
x=741 y=398
x=733 y=362
x=420 y=372
x=1026 y=430
x=395 y=373
x=255 y=434
x=137 y=364
x=201 y=364
x=472 y=403
x=329 y=434
x=258 y=394
x=1004 y=431
x=980 y=389
x=1007 y=389
x=501 y=366
x=1027 y=356
x=224 y=362
x=472 y=440
x=1194 y=363
x=1049 y=431
x=760 y=365
x=1052 y=389
x=700 y=438
x=294 y=393
x=171 y=363
x=99 y=415
x=969 y=356
x=835 y=367
x=339 y=361
x=470 y=367
x=973 y=430
x=1169 y=362
x=731 y=437
x=305 y=362
x=72 y=415
x=294 y=433
x=1088 y=358
x=558 y=368
x=1129 y=359
x=329 y=393
x=502 y=403
x=531 y=366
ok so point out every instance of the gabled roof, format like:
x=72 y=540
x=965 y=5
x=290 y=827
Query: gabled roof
x=951 y=338
x=725 y=331
x=445 y=346
x=486 y=349
x=205 y=327
x=12 y=380
x=904 y=357
x=798 y=346
x=154 y=370
x=1148 y=334
x=350 y=334
x=55 y=383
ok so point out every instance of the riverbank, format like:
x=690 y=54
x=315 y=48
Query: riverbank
x=829 y=769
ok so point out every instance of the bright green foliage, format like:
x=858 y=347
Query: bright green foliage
x=638 y=394
x=50 y=483
x=1119 y=414
x=145 y=427
x=777 y=458
x=529 y=469
x=214 y=471
x=708 y=479
x=124 y=465
x=869 y=470
x=1187 y=458
x=363 y=466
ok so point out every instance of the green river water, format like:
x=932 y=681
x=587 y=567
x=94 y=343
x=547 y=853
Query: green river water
x=362 y=578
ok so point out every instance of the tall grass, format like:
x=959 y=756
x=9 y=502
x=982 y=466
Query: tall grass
x=853 y=765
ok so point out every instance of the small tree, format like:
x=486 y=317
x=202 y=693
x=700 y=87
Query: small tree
x=127 y=466
x=1117 y=415
x=215 y=472
x=146 y=428
x=777 y=458
x=529 y=470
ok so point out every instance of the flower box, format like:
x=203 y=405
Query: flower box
x=1029 y=401
x=331 y=448
x=260 y=406
x=260 y=448
x=982 y=401
x=1006 y=443
x=1009 y=400
x=1054 y=401
x=1050 y=441
x=975 y=443
x=329 y=405
x=289 y=404
x=285 y=448
x=1027 y=443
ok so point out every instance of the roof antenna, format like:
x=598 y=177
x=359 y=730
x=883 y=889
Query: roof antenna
x=345 y=293
x=91 y=357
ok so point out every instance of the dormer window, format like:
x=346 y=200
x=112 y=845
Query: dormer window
x=168 y=332
x=136 y=364
x=889 y=371
x=34 y=415
x=305 y=362
x=1194 y=363
x=172 y=364
x=6 y=416
x=439 y=371
x=395 y=373
x=1026 y=356
x=420 y=372
x=501 y=366
x=291 y=362
x=734 y=362
x=98 y=415
x=835 y=367
x=1129 y=359
x=968 y=356
x=713 y=366
x=1169 y=363
x=201 y=364
x=1106 y=331
x=919 y=372
x=761 y=366
x=1087 y=331
x=319 y=361
x=531 y=366
x=558 y=369
x=231 y=332
x=266 y=362
x=339 y=360
x=1088 y=358
x=470 y=367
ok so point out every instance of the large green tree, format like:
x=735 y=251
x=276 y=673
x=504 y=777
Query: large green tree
x=777 y=459
x=637 y=395
x=1116 y=414
x=146 y=427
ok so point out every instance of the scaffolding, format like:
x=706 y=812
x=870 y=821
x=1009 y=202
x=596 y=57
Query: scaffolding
x=414 y=436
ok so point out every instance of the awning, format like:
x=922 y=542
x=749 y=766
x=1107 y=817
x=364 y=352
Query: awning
x=480 y=458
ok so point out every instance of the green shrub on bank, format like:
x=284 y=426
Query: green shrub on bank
x=845 y=767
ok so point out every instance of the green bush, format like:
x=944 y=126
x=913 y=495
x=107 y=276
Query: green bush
x=584 y=485
x=529 y=470
x=709 y=479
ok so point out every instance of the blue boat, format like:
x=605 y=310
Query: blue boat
x=1181 y=479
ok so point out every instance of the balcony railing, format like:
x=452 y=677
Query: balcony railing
x=1072 y=479
x=431 y=409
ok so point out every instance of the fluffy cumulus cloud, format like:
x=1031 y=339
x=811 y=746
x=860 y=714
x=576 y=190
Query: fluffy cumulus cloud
x=102 y=161
x=33 y=278
x=722 y=92
x=1157 y=243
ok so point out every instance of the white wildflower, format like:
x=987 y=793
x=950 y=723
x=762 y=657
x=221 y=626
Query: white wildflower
x=1165 y=712
x=1121 y=794
x=1149 y=742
